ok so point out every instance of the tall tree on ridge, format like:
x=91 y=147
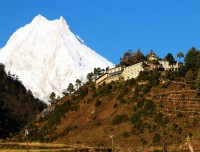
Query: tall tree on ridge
x=169 y=57
x=180 y=55
x=70 y=88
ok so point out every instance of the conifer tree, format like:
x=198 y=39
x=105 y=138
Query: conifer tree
x=169 y=57
x=70 y=88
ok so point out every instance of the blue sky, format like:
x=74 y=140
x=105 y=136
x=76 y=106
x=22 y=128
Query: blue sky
x=111 y=27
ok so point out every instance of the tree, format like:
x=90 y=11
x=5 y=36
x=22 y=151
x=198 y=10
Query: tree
x=52 y=96
x=137 y=57
x=125 y=61
x=192 y=60
x=198 y=84
x=98 y=72
x=70 y=88
x=131 y=58
x=90 y=77
x=169 y=57
x=107 y=68
x=64 y=92
x=180 y=55
x=78 y=83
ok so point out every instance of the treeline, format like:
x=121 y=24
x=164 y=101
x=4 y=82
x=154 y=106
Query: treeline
x=130 y=58
x=17 y=105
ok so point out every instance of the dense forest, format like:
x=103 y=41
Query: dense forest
x=17 y=105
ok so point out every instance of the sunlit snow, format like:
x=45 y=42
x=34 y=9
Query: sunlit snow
x=47 y=56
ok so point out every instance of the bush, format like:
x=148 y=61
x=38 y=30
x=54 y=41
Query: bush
x=75 y=107
x=135 y=118
x=118 y=119
x=140 y=104
x=156 y=139
x=95 y=94
x=120 y=96
x=143 y=141
x=143 y=76
x=146 y=88
x=126 y=134
x=108 y=87
x=179 y=115
x=83 y=91
x=97 y=103
x=123 y=101
x=115 y=105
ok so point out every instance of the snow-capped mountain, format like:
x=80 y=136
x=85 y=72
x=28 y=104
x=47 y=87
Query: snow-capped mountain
x=46 y=56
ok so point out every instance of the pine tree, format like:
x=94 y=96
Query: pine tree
x=192 y=60
x=70 y=88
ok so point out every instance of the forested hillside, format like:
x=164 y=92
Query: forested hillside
x=17 y=105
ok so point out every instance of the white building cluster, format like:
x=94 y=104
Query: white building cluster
x=133 y=71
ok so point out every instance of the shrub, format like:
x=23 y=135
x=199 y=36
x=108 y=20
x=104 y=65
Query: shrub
x=83 y=91
x=95 y=94
x=123 y=101
x=108 y=87
x=97 y=103
x=174 y=127
x=143 y=75
x=135 y=118
x=149 y=108
x=143 y=141
x=118 y=119
x=115 y=105
x=126 y=134
x=132 y=82
x=156 y=139
x=120 y=96
x=140 y=104
x=75 y=107
x=179 y=115
x=146 y=88
x=195 y=122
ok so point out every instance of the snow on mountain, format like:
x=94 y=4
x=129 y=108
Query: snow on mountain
x=47 y=56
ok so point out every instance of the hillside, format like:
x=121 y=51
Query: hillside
x=17 y=105
x=159 y=107
x=134 y=115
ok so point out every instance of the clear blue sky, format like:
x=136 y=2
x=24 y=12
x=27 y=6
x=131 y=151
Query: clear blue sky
x=111 y=27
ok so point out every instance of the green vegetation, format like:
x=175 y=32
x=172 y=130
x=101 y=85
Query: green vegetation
x=131 y=58
x=118 y=119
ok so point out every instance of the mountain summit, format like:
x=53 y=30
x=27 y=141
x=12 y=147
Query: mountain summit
x=46 y=56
